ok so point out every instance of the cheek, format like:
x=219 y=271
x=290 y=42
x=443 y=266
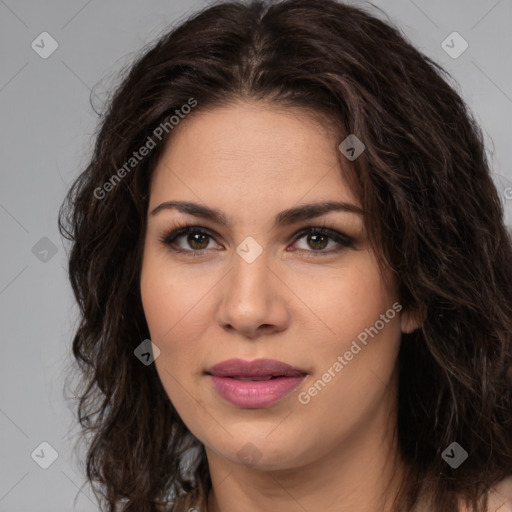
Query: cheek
x=176 y=310
x=350 y=304
x=168 y=308
x=169 y=299
x=346 y=300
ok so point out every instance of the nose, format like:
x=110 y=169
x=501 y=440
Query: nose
x=254 y=298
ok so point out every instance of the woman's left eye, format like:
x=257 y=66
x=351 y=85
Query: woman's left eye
x=317 y=238
x=198 y=239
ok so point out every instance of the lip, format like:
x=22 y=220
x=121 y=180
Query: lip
x=281 y=378
x=254 y=368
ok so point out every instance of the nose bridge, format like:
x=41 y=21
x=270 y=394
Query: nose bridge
x=251 y=295
x=249 y=280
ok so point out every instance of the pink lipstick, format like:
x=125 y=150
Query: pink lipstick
x=254 y=384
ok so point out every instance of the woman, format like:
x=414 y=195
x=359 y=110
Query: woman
x=294 y=276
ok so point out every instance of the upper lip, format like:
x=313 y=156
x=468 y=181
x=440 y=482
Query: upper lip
x=254 y=368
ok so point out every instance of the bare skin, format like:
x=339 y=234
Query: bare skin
x=296 y=302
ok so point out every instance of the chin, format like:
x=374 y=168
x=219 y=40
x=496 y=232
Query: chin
x=260 y=453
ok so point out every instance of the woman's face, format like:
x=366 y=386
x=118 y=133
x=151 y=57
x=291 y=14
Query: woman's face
x=262 y=286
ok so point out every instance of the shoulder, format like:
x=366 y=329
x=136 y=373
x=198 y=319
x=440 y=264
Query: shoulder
x=500 y=497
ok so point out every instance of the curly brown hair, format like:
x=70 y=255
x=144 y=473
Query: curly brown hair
x=434 y=218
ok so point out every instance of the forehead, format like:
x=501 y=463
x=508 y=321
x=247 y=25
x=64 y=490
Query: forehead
x=259 y=153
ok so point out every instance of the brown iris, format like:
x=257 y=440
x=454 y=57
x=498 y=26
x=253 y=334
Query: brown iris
x=195 y=238
x=314 y=243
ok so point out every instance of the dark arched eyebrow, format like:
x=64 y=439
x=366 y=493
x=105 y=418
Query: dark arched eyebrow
x=284 y=218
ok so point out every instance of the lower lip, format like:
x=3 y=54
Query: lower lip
x=254 y=394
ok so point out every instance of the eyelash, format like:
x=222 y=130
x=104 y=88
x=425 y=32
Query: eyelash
x=169 y=238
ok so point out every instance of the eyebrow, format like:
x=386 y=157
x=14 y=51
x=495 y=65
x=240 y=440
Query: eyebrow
x=284 y=218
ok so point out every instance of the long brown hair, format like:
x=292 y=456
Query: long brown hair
x=434 y=218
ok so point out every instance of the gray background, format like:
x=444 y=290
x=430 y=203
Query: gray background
x=46 y=129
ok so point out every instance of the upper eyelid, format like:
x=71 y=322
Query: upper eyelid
x=311 y=225
x=324 y=223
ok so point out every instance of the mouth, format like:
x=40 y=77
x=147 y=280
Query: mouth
x=254 y=384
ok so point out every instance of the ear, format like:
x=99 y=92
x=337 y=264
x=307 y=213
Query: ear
x=410 y=321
